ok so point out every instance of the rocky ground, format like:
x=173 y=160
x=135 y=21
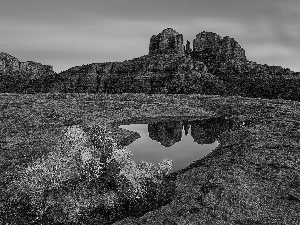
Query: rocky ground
x=253 y=177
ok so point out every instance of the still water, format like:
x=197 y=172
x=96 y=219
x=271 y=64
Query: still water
x=181 y=141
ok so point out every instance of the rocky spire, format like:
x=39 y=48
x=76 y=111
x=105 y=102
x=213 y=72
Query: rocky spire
x=209 y=44
x=168 y=41
x=188 y=49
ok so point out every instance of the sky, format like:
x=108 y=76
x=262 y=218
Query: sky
x=67 y=33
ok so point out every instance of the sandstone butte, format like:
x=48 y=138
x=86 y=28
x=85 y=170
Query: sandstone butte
x=215 y=65
x=252 y=177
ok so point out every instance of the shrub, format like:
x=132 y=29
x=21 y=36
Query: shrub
x=84 y=156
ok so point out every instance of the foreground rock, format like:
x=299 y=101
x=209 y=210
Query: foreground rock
x=253 y=176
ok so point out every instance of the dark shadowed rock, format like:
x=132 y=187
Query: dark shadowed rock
x=79 y=79
x=187 y=49
x=163 y=73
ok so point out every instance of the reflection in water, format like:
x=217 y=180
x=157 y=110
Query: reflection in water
x=203 y=131
x=181 y=141
x=208 y=131
x=166 y=133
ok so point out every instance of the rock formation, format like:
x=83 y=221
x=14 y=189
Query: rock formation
x=216 y=65
x=24 y=77
x=9 y=63
x=217 y=53
x=79 y=79
x=226 y=59
x=163 y=73
x=167 y=42
x=187 y=49
x=210 y=48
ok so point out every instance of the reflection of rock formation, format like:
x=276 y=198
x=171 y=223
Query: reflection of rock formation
x=166 y=133
x=207 y=131
x=186 y=127
x=202 y=131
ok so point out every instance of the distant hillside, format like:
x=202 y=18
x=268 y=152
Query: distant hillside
x=24 y=77
x=213 y=65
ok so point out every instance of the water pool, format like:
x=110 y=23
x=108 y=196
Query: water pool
x=181 y=141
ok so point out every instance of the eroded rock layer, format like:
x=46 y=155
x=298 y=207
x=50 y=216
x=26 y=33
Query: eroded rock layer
x=215 y=65
x=24 y=77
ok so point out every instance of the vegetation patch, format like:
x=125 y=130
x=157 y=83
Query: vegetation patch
x=87 y=172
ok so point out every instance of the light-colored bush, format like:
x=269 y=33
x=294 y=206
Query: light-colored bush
x=137 y=174
x=75 y=157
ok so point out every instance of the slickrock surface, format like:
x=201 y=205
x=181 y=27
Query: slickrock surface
x=252 y=177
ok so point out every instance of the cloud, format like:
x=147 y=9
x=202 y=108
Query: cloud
x=268 y=50
x=74 y=31
x=273 y=54
x=220 y=26
x=60 y=44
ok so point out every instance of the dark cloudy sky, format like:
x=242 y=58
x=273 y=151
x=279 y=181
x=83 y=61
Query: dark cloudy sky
x=67 y=33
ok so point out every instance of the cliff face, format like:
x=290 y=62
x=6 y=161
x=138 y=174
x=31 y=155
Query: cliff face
x=163 y=73
x=168 y=41
x=215 y=65
x=226 y=59
x=78 y=79
x=215 y=51
x=9 y=63
x=209 y=45
x=24 y=77
x=166 y=69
